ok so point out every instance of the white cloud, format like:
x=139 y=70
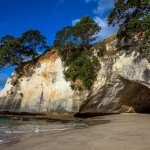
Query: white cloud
x=75 y=21
x=105 y=31
x=101 y=22
x=103 y=6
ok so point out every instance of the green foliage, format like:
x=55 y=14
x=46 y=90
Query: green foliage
x=33 y=39
x=6 y=39
x=145 y=49
x=15 y=51
x=71 y=39
x=10 y=53
x=101 y=49
x=68 y=47
x=73 y=43
x=132 y=16
x=83 y=68
x=86 y=30
x=64 y=37
x=101 y=46
x=82 y=33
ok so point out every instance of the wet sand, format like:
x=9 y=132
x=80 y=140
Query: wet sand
x=113 y=132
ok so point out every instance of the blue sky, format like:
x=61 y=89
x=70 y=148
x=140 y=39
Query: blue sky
x=50 y=16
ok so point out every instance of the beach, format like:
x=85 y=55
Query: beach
x=112 y=132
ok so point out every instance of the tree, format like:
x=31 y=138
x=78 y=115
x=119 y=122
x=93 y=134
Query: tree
x=64 y=37
x=73 y=46
x=33 y=41
x=73 y=40
x=6 y=39
x=132 y=16
x=86 y=30
x=83 y=68
x=11 y=53
x=67 y=44
x=82 y=33
x=15 y=51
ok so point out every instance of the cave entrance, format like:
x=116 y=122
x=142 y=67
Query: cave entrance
x=136 y=95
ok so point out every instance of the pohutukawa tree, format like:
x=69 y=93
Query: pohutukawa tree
x=73 y=43
x=65 y=42
x=33 y=40
x=86 y=30
x=15 y=51
x=6 y=39
x=72 y=40
x=133 y=17
x=81 y=34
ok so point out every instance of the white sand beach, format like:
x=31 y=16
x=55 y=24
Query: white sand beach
x=116 y=132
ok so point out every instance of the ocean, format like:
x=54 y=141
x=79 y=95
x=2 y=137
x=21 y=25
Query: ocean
x=11 y=130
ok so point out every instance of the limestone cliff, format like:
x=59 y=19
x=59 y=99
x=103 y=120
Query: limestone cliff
x=122 y=85
x=40 y=87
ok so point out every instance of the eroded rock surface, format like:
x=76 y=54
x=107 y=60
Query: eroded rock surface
x=122 y=85
x=40 y=87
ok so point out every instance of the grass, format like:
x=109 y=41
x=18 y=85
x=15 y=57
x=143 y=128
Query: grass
x=110 y=53
x=110 y=39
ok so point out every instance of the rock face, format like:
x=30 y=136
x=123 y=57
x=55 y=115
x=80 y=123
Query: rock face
x=40 y=87
x=122 y=85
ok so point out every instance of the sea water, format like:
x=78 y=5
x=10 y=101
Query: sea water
x=11 y=130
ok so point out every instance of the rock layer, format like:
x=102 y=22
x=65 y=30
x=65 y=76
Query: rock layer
x=122 y=85
x=40 y=87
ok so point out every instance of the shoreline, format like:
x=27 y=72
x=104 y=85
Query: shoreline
x=114 y=132
x=30 y=116
x=25 y=116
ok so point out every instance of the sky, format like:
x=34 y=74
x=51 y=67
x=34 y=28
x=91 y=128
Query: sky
x=50 y=16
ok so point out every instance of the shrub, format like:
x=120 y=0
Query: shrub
x=84 y=68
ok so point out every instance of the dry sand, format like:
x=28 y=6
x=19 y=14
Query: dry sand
x=116 y=132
